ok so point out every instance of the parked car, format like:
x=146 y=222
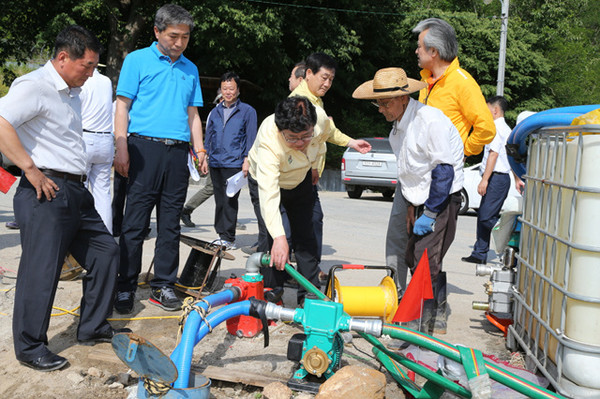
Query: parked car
x=375 y=170
x=470 y=198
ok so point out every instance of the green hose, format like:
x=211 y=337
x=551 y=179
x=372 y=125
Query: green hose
x=448 y=350
x=504 y=377
x=266 y=259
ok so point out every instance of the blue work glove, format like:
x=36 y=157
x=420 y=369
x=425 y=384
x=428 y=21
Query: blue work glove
x=424 y=225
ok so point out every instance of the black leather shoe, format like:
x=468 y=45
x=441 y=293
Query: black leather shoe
x=48 y=362
x=186 y=218
x=472 y=259
x=105 y=336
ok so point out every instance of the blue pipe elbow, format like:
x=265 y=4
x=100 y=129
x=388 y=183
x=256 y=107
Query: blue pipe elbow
x=189 y=340
x=193 y=322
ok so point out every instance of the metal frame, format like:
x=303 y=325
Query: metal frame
x=546 y=173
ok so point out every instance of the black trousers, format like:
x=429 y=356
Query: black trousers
x=226 y=208
x=158 y=176
x=298 y=203
x=317 y=219
x=118 y=202
x=48 y=230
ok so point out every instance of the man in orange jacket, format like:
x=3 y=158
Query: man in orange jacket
x=449 y=87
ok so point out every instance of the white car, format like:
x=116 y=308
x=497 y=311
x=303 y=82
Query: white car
x=470 y=198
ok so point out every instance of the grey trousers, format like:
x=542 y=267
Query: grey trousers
x=397 y=240
x=200 y=196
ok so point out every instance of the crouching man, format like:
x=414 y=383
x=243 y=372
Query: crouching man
x=283 y=164
x=429 y=151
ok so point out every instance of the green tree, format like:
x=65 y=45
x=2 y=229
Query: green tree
x=261 y=40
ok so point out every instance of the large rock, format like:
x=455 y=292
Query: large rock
x=354 y=382
x=277 y=390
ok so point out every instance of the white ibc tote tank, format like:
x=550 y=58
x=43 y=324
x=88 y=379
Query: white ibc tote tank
x=559 y=270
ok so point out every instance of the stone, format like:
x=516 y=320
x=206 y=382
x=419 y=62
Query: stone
x=75 y=378
x=116 y=385
x=277 y=390
x=354 y=382
x=123 y=378
x=95 y=372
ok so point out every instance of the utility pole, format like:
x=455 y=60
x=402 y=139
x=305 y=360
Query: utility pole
x=502 y=55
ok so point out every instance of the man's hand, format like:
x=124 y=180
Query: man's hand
x=246 y=167
x=361 y=146
x=203 y=164
x=279 y=253
x=315 y=177
x=424 y=225
x=519 y=184
x=482 y=187
x=410 y=218
x=121 y=161
x=42 y=184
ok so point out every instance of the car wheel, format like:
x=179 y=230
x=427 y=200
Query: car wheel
x=354 y=191
x=464 y=202
x=388 y=193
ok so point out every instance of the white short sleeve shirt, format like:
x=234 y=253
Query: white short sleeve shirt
x=498 y=145
x=46 y=114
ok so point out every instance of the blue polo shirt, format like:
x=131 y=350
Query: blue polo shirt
x=161 y=92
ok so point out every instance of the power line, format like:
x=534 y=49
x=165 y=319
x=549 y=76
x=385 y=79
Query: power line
x=350 y=11
x=274 y=3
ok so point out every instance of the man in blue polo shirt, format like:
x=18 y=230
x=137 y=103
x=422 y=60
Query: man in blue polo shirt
x=157 y=96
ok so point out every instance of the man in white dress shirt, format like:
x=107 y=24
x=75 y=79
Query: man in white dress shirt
x=41 y=132
x=429 y=151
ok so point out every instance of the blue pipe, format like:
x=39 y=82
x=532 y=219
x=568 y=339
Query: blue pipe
x=193 y=322
x=189 y=340
x=551 y=117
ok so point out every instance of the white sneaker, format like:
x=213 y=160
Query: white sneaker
x=229 y=246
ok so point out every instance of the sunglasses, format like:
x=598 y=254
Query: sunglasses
x=384 y=105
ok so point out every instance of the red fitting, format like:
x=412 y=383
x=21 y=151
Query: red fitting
x=245 y=326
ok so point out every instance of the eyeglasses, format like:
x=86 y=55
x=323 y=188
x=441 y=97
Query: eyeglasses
x=386 y=105
x=296 y=139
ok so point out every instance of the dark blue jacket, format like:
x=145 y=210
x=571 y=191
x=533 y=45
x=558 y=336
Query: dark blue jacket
x=227 y=144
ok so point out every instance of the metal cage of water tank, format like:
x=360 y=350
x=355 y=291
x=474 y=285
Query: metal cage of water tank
x=557 y=290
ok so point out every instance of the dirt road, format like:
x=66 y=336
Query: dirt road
x=354 y=233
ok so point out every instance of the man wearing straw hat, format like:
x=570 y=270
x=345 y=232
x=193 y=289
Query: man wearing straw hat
x=429 y=151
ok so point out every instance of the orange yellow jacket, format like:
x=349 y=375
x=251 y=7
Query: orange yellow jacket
x=459 y=96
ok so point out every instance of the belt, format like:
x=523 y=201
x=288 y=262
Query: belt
x=159 y=140
x=89 y=131
x=499 y=173
x=64 y=175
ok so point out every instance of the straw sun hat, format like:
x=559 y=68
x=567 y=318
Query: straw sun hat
x=388 y=83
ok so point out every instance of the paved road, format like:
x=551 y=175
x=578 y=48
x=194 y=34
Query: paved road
x=354 y=232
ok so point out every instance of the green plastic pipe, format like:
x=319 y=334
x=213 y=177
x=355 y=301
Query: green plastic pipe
x=266 y=259
x=504 y=377
x=441 y=382
x=428 y=342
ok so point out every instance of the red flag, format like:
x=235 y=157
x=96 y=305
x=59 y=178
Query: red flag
x=6 y=180
x=418 y=290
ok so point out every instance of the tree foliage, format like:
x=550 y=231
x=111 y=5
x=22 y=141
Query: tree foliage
x=552 y=58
